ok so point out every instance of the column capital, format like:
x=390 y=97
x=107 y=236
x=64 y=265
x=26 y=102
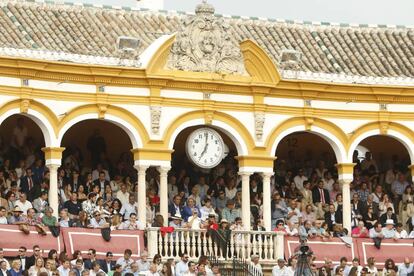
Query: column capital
x=245 y=173
x=141 y=168
x=53 y=155
x=345 y=171
x=152 y=154
x=163 y=170
x=267 y=174
x=256 y=163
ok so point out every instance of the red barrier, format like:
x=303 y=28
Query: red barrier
x=84 y=239
x=11 y=238
x=394 y=249
x=333 y=249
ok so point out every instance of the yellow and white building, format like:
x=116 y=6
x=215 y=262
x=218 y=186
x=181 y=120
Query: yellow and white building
x=63 y=64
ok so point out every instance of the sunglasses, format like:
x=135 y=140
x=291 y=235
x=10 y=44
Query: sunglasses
x=37 y=250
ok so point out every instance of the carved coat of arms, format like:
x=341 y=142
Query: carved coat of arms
x=204 y=45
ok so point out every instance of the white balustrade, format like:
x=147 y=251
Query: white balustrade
x=241 y=244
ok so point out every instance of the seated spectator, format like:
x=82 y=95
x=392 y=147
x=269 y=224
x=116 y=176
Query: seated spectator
x=126 y=260
x=132 y=223
x=96 y=269
x=182 y=266
x=23 y=203
x=294 y=215
x=280 y=269
x=16 y=268
x=17 y=216
x=97 y=221
x=387 y=216
x=332 y=217
x=38 y=267
x=2 y=259
x=128 y=208
x=207 y=209
x=176 y=221
x=306 y=231
x=3 y=218
x=189 y=209
x=3 y=269
x=40 y=204
x=389 y=268
x=64 y=220
x=108 y=265
x=309 y=214
x=143 y=263
x=229 y=213
x=389 y=231
x=194 y=222
x=64 y=268
x=153 y=271
x=89 y=205
x=400 y=233
x=370 y=218
x=406 y=268
x=360 y=231
x=73 y=206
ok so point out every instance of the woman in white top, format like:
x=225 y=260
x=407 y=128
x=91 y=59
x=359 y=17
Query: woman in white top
x=385 y=204
x=231 y=189
x=36 y=268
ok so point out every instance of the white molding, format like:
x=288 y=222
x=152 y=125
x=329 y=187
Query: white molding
x=153 y=163
x=256 y=170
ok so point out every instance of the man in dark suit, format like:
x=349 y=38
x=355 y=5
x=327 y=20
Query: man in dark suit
x=332 y=217
x=101 y=181
x=371 y=203
x=3 y=269
x=92 y=258
x=175 y=207
x=22 y=258
x=388 y=215
x=28 y=184
x=320 y=197
x=36 y=254
x=108 y=264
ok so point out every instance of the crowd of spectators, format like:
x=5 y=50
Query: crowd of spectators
x=306 y=194
x=60 y=265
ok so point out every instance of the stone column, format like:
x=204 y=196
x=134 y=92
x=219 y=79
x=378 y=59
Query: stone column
x=53 y=159
x=142 y=193
x=411 y=167
x=267 y=212
x=345 y=177
x=164 y=193
x=246 y=199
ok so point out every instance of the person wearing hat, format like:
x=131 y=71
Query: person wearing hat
x=388 y=231
x=280 y=269
x=17 y=218
x=211 y=222
x=230 y=213
x=176 y=221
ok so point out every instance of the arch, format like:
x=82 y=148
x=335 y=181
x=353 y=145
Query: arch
x=43 y=117
x=397 y=131
x=119 y=116
x=326 y=130
x=226 y=123
x=258 y=64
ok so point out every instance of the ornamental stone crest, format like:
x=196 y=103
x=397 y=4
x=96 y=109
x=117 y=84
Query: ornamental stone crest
x=259 y=120
x=204 y=44
x=155 y=119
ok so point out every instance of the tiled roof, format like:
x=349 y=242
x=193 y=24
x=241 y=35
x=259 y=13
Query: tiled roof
x=87 y=30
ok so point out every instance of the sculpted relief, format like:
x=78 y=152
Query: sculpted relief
x=204 y=45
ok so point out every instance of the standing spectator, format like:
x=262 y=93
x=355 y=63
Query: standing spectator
x=28 y=184
x=397 y=190
x=96 y=145
x=123 y=195
x=320 y=197
x=22 y=258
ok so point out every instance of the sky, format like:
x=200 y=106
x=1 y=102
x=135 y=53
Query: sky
x=394 y=12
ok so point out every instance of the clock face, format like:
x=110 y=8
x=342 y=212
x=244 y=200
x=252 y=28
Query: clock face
x=205 y=148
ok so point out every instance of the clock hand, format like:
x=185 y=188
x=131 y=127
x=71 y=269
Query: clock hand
x=205 y=147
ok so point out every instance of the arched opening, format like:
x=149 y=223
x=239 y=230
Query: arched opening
x=21 y=141
x=305 y=177
x=93 y=146
x=189 y=179
x=382 y=170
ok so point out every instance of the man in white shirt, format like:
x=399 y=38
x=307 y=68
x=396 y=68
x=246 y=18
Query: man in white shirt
x=153 y=271
x=23 y=203
x=97 y=221
x=3 y=218
x=143 y=263
x=299 y=179
x=122 y=194
x=96 y=268
x=3 y=268
x=125 y=261
x=191 y=269
x=3 y=259
x=280 y=269
x=182 y=266
x=129 y=208
x=64 y=268
x=132 y=223
x=405 y=268
x=400 y=233
x=194 y=222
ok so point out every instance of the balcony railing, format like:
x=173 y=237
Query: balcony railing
x=195 y=243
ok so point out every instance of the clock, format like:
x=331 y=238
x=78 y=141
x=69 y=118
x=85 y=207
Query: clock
x=205 y=148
